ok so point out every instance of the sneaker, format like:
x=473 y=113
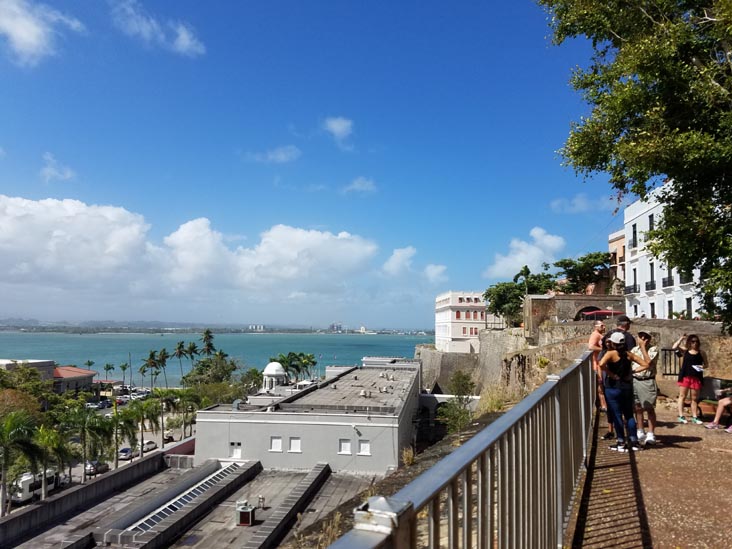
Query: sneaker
x=641 y=435
x=650 y=439
x=682 y=419
x=712 y=425
x=634 y=446
x=619 y=447
x=608 y=436
x=696 y=421
x=728 y=430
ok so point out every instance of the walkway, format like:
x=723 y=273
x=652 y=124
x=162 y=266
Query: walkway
x=676 y=494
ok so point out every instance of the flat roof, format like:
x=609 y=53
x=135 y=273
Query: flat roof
x=378 y=390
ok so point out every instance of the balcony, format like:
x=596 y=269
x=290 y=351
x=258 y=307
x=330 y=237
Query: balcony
x=632 y=243
x=685 y=279
x=650 y=285
x=634 y=289
x=621 y=259
x=667 y=281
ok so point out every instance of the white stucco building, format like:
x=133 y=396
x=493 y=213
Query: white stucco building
x=653 y=289
x=358 y=420
x=459 y=317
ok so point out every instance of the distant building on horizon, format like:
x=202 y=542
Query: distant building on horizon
x=459 y=317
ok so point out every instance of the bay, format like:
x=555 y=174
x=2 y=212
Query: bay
x=250 y=350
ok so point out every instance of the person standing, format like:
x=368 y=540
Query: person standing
x=616 y=364
x=623 y=325
x=645 y=390
x=691 y=375
x=594 y=344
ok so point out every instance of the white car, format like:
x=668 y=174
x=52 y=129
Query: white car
x=149 y=445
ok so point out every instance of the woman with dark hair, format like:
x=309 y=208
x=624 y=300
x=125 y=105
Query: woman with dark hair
x=691 y=375
x=616 y=364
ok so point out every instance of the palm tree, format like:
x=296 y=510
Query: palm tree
x=220 y=355
x=16 y=435
x=151 y=364
x=94 y=432
x=307 y=361
x=191 y=351
x=162 y=361
x=179 y=353
x=145 y=411
x=123 y=368
x=189 y=402
x=49 y=442
x=207 y=339
x=295 y=364
x=89 y=364
x=108 y=368
x=169 y=401
x=285 y=362
x=124 y=427
x=143 y=371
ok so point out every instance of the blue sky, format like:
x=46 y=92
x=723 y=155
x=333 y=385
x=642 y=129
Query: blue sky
x=282 y=162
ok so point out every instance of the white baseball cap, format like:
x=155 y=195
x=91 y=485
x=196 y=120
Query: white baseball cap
x=617 y=338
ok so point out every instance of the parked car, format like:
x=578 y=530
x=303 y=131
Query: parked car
x=92 y=405
x=105 y=404
x=109 y=415
x=149 y=445
x=122 y=400
x=168 y=436
x=96 y=467
x=128 y=453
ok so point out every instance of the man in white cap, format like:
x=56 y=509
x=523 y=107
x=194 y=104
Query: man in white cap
x=645 y=389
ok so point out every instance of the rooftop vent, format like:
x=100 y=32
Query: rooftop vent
x=235 y=405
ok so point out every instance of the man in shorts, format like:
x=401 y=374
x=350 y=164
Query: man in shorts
x=594 y=344
x=645 y=389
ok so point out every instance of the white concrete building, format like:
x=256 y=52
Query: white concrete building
x=358 y=420
x=459 y=317
x=653 y=289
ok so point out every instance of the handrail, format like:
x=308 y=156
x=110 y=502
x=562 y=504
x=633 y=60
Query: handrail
x=514 y=481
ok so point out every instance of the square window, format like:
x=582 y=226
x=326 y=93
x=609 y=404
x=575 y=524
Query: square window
x=295 y=445
x=364 y=447
x=275 y=444
x=344 y=446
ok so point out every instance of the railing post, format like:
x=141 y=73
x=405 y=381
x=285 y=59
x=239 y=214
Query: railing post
x=388 y=516
x=558 y=481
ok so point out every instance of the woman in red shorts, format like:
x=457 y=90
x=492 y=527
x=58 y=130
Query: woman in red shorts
x=691 y=375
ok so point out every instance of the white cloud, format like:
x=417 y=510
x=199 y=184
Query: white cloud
x=185 y=41
x=31 y=29
x=581 y=203
x=53 y=171
x=399 y=262
x=360 y=185
x=279 y=155
x=104 y=252
x=542 y=248
x=435 y=274
x=131 y=18
x=340 y=129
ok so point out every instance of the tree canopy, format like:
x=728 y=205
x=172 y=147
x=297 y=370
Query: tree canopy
x=659 y=85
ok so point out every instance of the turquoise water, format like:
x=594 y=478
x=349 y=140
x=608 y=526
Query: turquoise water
x=251 y=350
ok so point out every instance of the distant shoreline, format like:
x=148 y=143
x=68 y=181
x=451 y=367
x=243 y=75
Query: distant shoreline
x=81 y=330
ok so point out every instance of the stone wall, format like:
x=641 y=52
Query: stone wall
x=506 y=356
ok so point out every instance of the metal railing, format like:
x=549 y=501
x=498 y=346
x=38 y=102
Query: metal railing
x=685 y=278
x=511 y=485
x=650 y=285
x=632 y=289
x=670 y=362
x=667 y=281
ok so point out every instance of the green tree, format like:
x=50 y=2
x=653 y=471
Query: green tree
x=16 y=437
x=123 y=368
x=579 y=273
x=123 y=427
x=456 y=413
x=95 y=434
x=211 y=369
x=505 y=299
x=89 y=364
x=659 y=85
x=144 y=412
x=50 y=446
x=162 y=362
x=207 y=339
x=192 y=351
x=108 y=368
x=251 y=381
x=180 y=353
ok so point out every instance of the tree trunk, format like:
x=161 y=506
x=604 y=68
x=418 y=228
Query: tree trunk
x=44 y=481
x=3 y=492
